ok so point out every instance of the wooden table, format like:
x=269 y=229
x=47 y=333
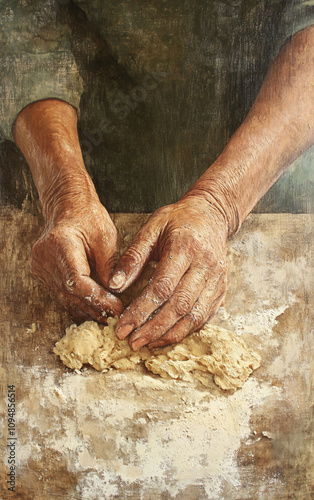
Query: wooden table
x=130 y=435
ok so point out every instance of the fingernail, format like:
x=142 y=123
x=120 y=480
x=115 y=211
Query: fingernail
x=124 y=331
x=117 y=280
x=137 y=344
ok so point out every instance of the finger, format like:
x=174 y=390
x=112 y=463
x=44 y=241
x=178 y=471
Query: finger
x=179 y=305
x=82 y=308
x=160 y=288
x=105 y=255
x=69 y=254
x=75 y=275
x=132 y=262
x=69 y=302
x=199 y=316
x=91 y=298
x=77 y=309
x=77 y=315
x=60 y=299
x=104 y=267
x=72 y=288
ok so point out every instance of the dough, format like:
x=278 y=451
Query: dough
x=212 y=351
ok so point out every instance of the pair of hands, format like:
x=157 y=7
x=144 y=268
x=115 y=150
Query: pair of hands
x=75 y=257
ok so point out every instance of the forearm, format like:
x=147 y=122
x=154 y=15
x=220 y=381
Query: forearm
x=277 y=130
x=46 y=133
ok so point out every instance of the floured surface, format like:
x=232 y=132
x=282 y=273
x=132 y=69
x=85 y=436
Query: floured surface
x=211 y=351
x=132 y=435
x=128 y=431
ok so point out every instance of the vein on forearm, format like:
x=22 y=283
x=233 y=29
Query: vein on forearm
x=276 y=131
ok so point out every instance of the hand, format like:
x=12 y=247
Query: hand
x=188 y=239
x=73 y=255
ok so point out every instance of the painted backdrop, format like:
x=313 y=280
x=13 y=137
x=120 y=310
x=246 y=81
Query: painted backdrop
x=161 y=87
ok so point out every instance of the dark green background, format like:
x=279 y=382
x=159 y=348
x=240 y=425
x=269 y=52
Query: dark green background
x=145 y=147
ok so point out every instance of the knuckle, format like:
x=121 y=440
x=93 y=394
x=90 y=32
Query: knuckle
x=52 y=237
x=163 y=288
x=110 y=262
x=199 y=315
x=182 y=304
x=216 y=272
x=72 y=282
x=163 y=211
x=212 y=262
x=133 y=256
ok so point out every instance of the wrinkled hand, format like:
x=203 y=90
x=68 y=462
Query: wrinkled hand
x=73 y=255
x=188 y=239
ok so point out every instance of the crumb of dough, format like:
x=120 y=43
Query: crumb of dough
x=213 y=352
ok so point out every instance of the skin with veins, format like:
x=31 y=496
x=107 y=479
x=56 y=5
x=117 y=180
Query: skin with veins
x=211 y=351
x=75 y=255
x=189 y=237
x=76 y=252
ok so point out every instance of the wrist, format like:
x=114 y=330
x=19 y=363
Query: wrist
x=217 y=194
x=46 y=133
x=70 y=195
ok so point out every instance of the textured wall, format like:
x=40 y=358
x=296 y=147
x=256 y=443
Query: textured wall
x=165 y=86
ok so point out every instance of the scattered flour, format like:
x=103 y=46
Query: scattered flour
x=189 y=436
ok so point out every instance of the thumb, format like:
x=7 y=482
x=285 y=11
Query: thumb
x=132 y=262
